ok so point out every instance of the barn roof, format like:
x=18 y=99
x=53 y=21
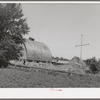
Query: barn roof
x=38 y=51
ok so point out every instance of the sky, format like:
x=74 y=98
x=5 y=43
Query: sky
x=60 y=26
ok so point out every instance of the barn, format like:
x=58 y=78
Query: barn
x=36 y=51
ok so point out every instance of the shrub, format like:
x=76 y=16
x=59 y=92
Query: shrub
x=93 y=65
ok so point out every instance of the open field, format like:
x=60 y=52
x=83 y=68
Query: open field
x=37 y=78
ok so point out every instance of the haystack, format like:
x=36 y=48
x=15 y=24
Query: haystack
x=76 y=65
x=77 y=61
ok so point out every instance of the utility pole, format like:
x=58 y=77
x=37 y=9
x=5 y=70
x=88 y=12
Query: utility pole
x=81 y=45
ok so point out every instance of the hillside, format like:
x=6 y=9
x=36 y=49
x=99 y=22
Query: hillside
x=18 y=77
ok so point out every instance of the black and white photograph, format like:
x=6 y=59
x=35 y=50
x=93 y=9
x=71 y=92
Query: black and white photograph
x=50 y=45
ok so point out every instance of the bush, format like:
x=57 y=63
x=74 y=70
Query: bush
x=3 y=64
x=93 y=65
x=94 y=68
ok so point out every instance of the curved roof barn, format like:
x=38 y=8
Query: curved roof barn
x=36 y=51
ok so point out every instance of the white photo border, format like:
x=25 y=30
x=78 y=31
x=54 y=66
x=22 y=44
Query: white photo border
x=40 y=93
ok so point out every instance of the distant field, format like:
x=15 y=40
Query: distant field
x=37 y=78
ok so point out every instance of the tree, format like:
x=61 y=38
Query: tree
x=13 y=26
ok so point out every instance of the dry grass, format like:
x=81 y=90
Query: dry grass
x=37 y=78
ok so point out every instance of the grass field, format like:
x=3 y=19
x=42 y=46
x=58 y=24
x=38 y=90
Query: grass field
x=37 y=78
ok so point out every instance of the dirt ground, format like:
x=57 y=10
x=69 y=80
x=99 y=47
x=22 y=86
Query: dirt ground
x=37 y=78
